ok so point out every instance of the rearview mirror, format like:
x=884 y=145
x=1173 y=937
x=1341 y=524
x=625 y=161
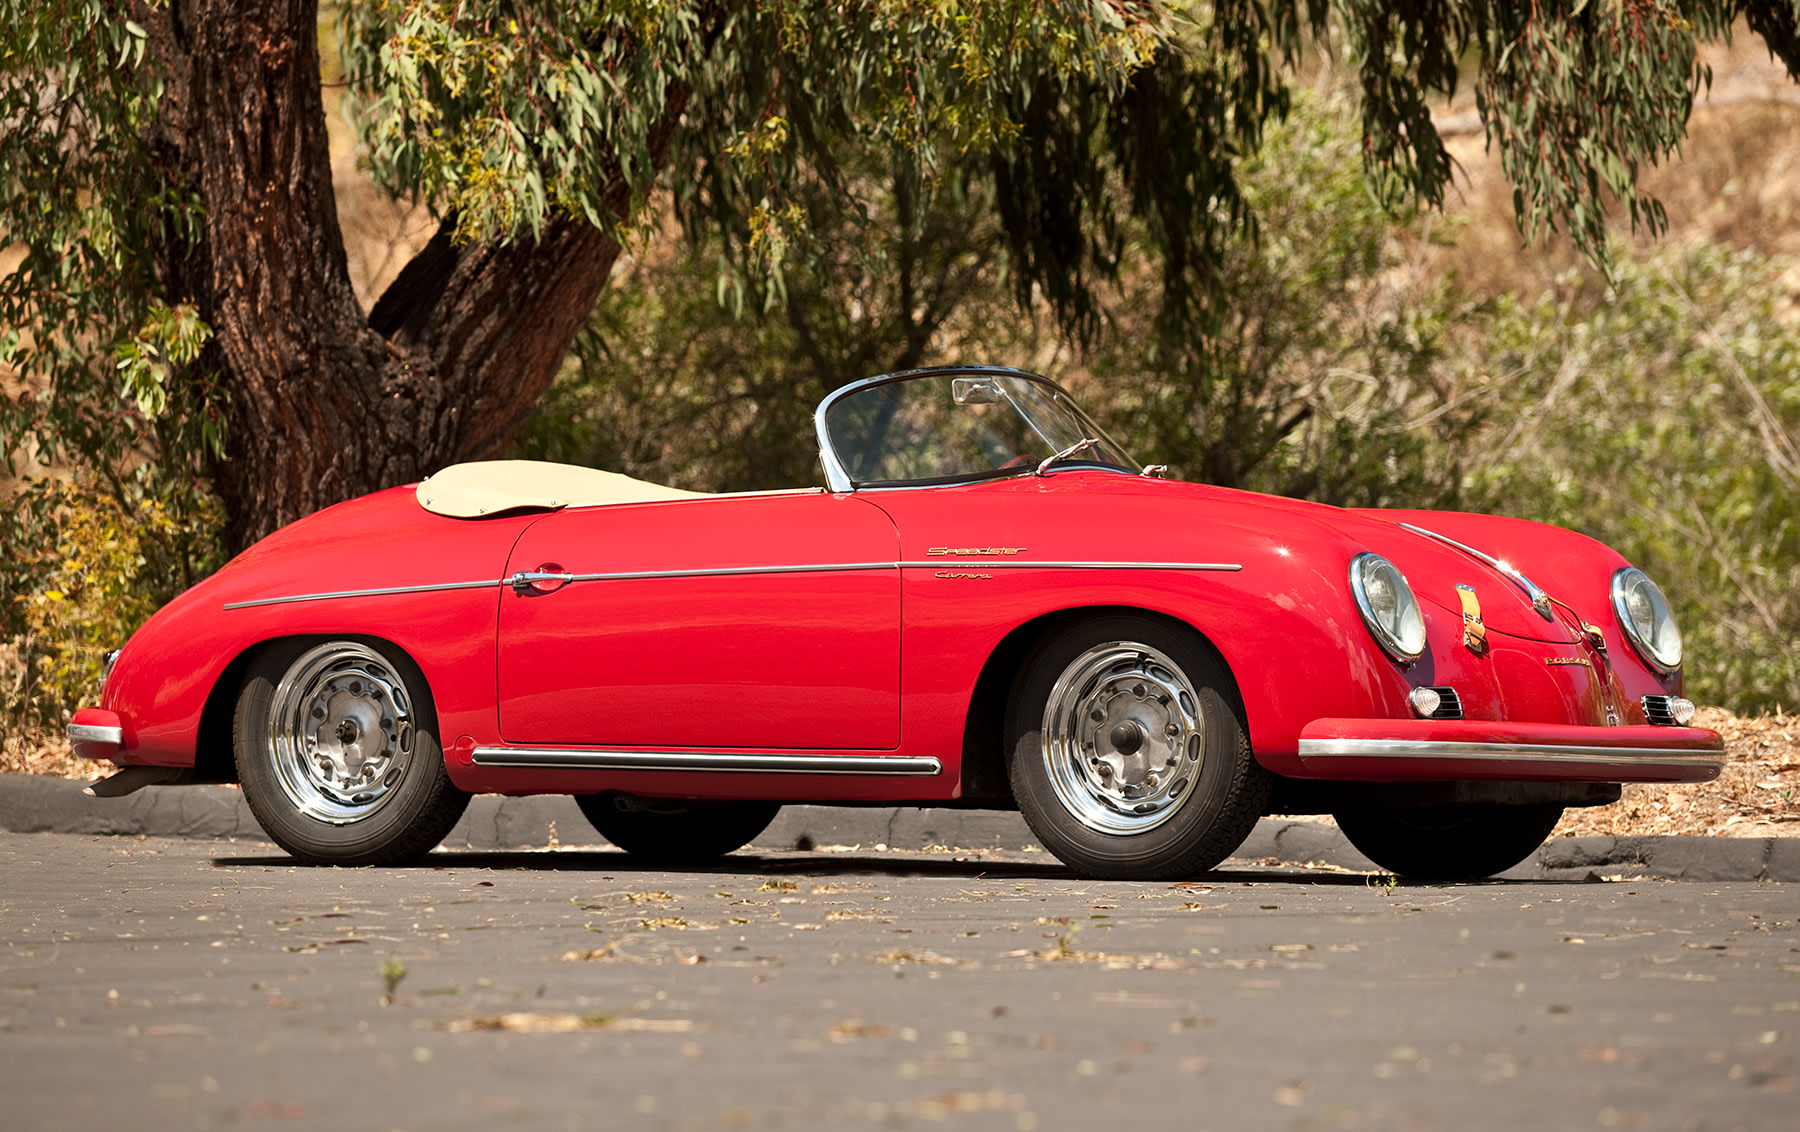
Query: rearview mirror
x=975 y=391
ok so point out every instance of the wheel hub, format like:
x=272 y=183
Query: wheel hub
x=1122 y=737
x=354 y=740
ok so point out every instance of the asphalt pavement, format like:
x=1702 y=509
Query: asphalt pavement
x=175 y=983
x=34 y=804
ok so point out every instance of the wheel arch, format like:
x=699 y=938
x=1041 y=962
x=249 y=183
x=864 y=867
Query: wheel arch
x=984 y=774
x=215 y=760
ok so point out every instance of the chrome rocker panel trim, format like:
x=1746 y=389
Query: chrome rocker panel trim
x=554 y=758
x=89 y=733
x=1504 y=752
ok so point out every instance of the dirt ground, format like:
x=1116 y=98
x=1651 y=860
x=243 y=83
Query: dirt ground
x=1757 y=794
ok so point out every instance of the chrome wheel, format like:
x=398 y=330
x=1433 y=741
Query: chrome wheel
x=1127 y=750
x=340 y=732
x=1122 y=737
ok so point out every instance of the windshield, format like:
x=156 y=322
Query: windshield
x=954 y=427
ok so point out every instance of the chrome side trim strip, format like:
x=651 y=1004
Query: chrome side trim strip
x=1015 y=564
x=1503 y=752
x=88 y=733
x=567 y=759
x=733 y=571
x=382 y=592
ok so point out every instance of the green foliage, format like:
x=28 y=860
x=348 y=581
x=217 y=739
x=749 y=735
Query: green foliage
x=88 y=210
x=1321 y=371
x=1662 y=419
x=107 y=414
x=100 y=568
x=665 y=385
x=670 y=384
x=502 y=113
x=1323 y=376
x=1576 y=95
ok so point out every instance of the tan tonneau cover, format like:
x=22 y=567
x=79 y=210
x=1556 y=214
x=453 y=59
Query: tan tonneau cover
x=488 y=487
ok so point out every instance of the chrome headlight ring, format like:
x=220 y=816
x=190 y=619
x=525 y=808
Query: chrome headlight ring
x=1643 y=613
x=1388 y=607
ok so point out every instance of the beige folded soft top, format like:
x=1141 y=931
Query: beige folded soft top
x=488 y=487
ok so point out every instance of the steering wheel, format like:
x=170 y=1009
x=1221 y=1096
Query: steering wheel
x=1022 y=460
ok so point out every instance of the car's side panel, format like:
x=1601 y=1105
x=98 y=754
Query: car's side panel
x=765 y=621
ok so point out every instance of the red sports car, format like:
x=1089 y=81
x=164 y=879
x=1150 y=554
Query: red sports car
x=989 y=604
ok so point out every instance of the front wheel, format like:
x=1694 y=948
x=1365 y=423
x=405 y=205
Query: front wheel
x=671 y=831
x=337 y=750
x=1460 y=842
x=1129 y=755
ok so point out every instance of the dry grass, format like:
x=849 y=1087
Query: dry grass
x=38 y=753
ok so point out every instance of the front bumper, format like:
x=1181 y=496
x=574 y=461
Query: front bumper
x=96 y=734
x=1428 y=750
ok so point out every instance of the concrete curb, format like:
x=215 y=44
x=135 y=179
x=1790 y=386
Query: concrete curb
x=33 y=804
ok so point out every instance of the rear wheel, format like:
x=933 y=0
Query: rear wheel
x=1129 y=755
x=337 y=749
x=675 y=831
x=1464 y=842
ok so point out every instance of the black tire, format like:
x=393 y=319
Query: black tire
x=1465 y=842
x=337 y=749
x=1181 y=789
x=670 y=831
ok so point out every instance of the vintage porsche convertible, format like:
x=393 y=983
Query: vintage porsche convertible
x=988 y=604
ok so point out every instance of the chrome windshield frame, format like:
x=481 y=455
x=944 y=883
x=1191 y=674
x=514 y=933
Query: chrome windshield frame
x=837 y=478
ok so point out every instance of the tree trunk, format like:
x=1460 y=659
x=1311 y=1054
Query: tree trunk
x=322 y=402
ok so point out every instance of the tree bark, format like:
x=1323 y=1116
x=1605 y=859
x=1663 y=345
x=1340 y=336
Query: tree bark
x=322 y=402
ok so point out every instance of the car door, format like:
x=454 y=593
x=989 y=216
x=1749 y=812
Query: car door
x=767 y=621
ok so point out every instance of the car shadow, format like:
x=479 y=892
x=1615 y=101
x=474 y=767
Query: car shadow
x=890 y=864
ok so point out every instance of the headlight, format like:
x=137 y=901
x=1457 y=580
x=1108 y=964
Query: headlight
x=1388 y=606
x=1644 y=612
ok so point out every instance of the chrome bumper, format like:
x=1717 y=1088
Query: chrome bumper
x=1429 y=750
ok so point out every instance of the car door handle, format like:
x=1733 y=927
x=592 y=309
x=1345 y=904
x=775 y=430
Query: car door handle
x=546 y=579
